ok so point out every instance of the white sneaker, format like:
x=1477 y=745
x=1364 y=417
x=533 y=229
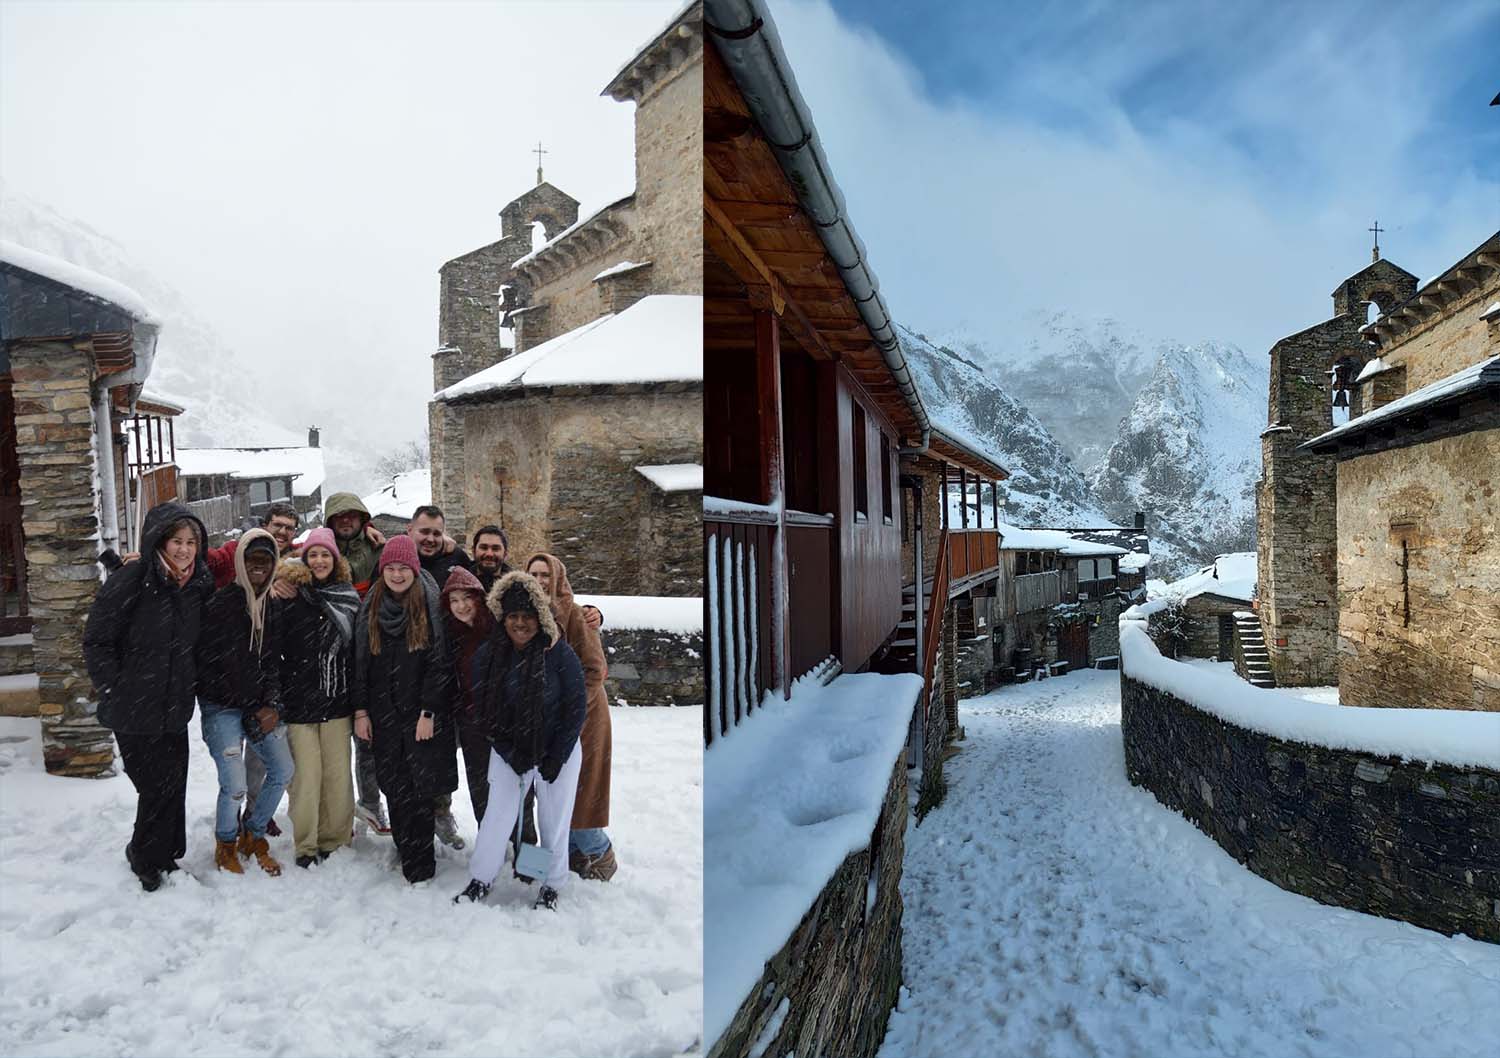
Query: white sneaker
x=373 y=819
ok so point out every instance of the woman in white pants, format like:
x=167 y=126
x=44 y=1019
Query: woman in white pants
x=529 y=684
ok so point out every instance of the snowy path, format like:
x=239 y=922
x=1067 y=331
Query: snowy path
x=346 y=958
x=1054 y=909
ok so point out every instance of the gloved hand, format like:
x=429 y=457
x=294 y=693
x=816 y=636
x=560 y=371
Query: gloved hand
x=266 y=719
x=549 y=768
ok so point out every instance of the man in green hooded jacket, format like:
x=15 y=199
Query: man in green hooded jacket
x=347 y=516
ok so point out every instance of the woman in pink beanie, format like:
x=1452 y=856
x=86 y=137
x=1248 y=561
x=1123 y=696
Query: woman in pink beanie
x=316 y=659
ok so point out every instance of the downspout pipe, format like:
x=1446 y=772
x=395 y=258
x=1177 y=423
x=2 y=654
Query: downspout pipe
x=746 y=39
x=144 y=348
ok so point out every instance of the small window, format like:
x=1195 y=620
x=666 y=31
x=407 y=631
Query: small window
x=861 y=471
x=885 y=479
x=1085 y=569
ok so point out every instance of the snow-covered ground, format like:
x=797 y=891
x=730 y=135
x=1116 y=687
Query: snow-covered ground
x=1054 y=909
x=346 y=958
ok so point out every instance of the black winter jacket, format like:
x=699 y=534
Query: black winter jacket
x=302 y=627
x=230 y=674
x=564 y=707
x=140 y=637
x=440 y=565
x=394 y=686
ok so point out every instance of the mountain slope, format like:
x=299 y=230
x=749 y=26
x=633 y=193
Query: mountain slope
x=1188 y=451
x=1045 y=488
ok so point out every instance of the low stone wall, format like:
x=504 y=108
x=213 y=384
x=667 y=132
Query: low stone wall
x=1400 y=839
x=650 y=667
x=934 y=786
x=831 y=988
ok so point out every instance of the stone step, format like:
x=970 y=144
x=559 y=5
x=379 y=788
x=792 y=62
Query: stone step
x=19 y=695
x=1267 y=684
x=15 y=655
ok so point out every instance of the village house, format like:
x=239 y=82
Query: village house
x=1417 y=486
x=75 y=351
x=569 y=378
x=232 y=488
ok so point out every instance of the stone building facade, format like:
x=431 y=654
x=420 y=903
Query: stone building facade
x=1418 y=500
x=558 y=464
x=1295 y=501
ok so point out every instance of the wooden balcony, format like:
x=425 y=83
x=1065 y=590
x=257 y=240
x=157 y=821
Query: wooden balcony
x=973 y=555
x=737 y=556
x=1096 y=589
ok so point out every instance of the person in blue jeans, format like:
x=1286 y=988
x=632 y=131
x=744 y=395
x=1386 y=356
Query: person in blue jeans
x=239 y=699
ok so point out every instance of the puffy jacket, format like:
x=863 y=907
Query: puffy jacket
x=564 y=706
x=141 y=635
x=306 y=698
x=231 y=674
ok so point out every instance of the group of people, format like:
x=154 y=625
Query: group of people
x=409 y=645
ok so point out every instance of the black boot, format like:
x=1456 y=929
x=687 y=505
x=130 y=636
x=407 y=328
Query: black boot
x=476 y=891
x=150 y=877
x=306 y=861
x=546 y=898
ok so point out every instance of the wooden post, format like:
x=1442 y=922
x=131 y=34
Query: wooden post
x=963 y=498
x=773 y=474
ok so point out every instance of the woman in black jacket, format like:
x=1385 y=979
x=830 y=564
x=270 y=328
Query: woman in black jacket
x=529 y=683
x=317 y=633
x=402 y=684
x=138 y=645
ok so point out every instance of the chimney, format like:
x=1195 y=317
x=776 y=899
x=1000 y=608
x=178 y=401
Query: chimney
x=1140 y=519
x=312 y=440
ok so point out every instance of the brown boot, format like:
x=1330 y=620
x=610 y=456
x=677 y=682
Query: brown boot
x=225 y=858
x=262 y=853
x=243 y=843
x=599 y=868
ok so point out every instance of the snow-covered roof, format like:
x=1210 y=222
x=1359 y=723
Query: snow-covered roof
x=303 y=465
x=1135 y=562
x=1476 y=376
x=406 y=492
x=674 y=477
x=1013 y=538
x=1232 y=576
x=635 y=55
x=1374 y=367
x=80 y=279
x=657 y=339
x=621 y=268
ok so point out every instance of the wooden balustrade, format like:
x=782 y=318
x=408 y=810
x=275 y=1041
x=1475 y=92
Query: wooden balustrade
x=737 y=557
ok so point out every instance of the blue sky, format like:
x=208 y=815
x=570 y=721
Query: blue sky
x=1194 y=170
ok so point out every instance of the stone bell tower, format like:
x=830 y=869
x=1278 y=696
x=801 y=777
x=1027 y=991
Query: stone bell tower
x=1295 y=499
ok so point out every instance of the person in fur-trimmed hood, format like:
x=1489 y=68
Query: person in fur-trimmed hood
x=317 y=636
x=528 y=682
x=239 y=701
x=593 y=854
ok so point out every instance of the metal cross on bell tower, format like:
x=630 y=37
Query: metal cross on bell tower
x=538 y=151
x=1374 y=254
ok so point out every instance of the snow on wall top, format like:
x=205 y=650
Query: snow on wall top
x=674 y=477
x=80 y=279
x=658 y=613
x=618 y=269
x=1060 y=540
x=406 y=492
x=570 y=229
x=303 y=465
x=681 y=10
x=1472 y=377
x=1232 y=576
x=787 y=796
x=657 y=339
x=1448 y=736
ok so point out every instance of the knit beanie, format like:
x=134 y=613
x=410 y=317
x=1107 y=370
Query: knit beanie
x=399 y=549
x=322 y=536
x=517 y=599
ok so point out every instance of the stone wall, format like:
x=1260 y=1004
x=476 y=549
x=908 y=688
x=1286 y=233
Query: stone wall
x=557 y=470
x=1203 y=614
x=1402 y=840
x=564 y=280
x=1104 y=635
x=669 y=174
x=1449 y=341
x=54 y=432
x=831 y=988
x=1419 y=574
x=652 y=667
x=445 y=439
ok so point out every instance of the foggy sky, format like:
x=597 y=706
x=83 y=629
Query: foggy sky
x=300 y=171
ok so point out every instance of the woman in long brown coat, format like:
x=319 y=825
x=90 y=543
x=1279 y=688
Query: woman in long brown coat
x=591 y=853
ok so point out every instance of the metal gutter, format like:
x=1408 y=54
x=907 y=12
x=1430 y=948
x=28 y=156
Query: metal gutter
x=746 y=38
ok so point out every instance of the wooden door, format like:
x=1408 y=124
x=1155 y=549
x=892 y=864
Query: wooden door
x=1073 y=645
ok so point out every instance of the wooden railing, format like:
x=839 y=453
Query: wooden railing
x=932 y=622
x=1037 y=591
x=737 y=555
x=157 y=485
x=1097 y=588
x=971 y=552
x=216 y=514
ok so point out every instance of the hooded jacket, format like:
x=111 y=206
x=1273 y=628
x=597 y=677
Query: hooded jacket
x=141 y=634
x=591 y=808
x=465 y=640
x=308 y=695
x=235 y=670
x=529 y=733
x=360 y=553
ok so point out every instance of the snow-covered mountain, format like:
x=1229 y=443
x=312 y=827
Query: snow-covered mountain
x=1188 y=451
x=1045 y=488
x=228 y=404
